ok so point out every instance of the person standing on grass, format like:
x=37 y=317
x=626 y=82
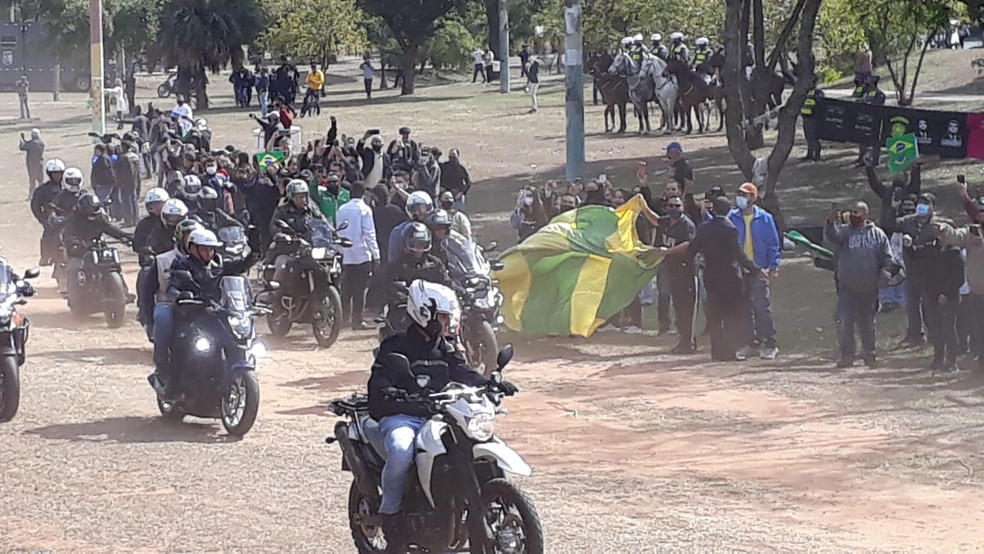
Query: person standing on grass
x=673 y=229
x=368 y=73
x=759 y=240
x=488 y=58
x=971 y=238
x=360 y=260
x=34 y=156
x=864 y=261
x=263 y=90
x=524 y=59
x=533 y=83
x=478 y=57
x=23 y=86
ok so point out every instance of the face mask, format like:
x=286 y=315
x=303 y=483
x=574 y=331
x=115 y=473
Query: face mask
x=211 y=170
x=741 y=202
x=447 y=205
x=857 y=221
x=377 y=147
x=675 y=213
x=528 y=200
x=923 y=210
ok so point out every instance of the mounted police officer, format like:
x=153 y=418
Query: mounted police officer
x=638 y=50
x=658 y=49
x=702 y=55
x=679 y=50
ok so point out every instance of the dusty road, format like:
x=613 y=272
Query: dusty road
x=633 y=450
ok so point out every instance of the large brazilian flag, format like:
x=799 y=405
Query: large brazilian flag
x=581 y=269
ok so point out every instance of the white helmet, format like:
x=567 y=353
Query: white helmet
x=702 y=41
x=203 y=237
x=173 y=212
x=191 y=185
x=626 y=41
x=638 y=37
x=676 y=36
x=156 y=194
x=201 y=124
x=54 y=165
x=419 y=203
x=427 y=299
x=657 y=37
x=72 y=180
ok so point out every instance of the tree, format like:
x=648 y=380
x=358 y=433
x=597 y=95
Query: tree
x=413 y=23
x=312 y=29
x=200 y=35
x=747 y=102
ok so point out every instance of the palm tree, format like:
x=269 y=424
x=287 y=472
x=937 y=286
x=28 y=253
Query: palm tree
x=200 y=35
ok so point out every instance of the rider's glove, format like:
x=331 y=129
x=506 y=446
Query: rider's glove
x=26 y=289
x=506 y=388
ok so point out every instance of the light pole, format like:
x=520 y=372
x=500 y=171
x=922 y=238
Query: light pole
x=574 y=83
x=96 y=67
x=503 y=46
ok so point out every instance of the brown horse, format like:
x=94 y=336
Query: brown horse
x=695 y=95
x=614 y=89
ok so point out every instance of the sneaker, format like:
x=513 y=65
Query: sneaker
x=683 y=349
x=609 y=328
x=845 y=363
x=746 y=352
x=768 y=353
x=663 y=331
x=632 y=330
x=871 y=362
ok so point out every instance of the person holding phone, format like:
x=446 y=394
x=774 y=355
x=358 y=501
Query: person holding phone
x=33 y=149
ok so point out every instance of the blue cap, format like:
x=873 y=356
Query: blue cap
x=674 y=146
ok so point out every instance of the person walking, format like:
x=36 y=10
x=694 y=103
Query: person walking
x=102 y=177
x=478 y=58
x=971 y=238
x=533 y=84
x=524 y=58
x=263 y=90
x=368 y=73
x=34 y=156
x=359 y=261
x=312 y=98
x=759 y=240
x=716 y=240
x=127 y=188
x=23 y=86
x=864 y=261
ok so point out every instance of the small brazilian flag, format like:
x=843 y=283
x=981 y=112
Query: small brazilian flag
x=903 y=151
x=263 y=159
x=577 y=272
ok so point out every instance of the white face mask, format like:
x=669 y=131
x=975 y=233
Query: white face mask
x=528 y=200
x=741 y=202
x=211 y=169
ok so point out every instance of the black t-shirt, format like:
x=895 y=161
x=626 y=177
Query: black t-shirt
x=682 y=173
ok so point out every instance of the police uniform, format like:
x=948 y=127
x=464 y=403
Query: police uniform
x=701 y=56
x=660 y=51
x=811 y=124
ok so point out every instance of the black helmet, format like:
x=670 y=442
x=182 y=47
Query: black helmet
x=419 y=238
x=439 y=218
x=208 y=199
x=90 y=205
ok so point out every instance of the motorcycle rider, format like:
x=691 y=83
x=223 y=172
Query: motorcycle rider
x=658 y=49
x=86 y=225
x=416 y=260
x=439 y=224
x=152 y=225
x=42 y=206
x=189 y=191
x=211 y=213
x=294 y=212
x=434 y=313
x=152 y=303
x=419 y=207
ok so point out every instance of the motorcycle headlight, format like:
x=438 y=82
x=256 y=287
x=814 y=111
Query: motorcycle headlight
x=241 y=326
x=236 y=249
x=481 y=427
x=319 y=252
x=203 y=344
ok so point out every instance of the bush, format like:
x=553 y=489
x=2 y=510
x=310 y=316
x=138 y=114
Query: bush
x=829 y=75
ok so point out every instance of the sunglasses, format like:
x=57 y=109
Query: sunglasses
x=674 y=205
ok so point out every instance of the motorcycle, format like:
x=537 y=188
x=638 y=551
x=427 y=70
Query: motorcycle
x=235 y=247
x=460 y=464
x=216 y=352
x=480 y=299
x=99 y=284
x=14 y=332
x=310 y=294
x=166 y=88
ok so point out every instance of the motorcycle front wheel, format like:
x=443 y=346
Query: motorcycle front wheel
x=9 y=388
x=512 y=517
x=169 y=411
x=327 y=318
x=483 y=348
x=368 y=539
x=116 y=300
x=241 y=404
x=278 y=321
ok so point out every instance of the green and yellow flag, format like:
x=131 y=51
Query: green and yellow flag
x=578 y=271
x=263 y=159
x=903 y=151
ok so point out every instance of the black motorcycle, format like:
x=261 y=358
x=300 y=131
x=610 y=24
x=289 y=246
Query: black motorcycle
x=310 y=293
x=99 y=285
x=166 y=88
x=215 y=355
x=14 y=331
x=235 y=246
x=480 y=299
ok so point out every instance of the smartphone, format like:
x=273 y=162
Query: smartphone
x=961 y=179
x=603 y=178
x=372 y=132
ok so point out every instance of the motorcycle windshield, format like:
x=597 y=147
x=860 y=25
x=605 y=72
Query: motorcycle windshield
x=232 y=235
x=465 y=259
x=235 y=293
x=7 y=286
x=321 y=232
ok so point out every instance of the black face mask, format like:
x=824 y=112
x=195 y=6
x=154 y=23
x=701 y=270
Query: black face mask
x=377 y=147
x=447 y=205
x=433 y=329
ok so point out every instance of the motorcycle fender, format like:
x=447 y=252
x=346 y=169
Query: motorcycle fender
x=503 y=455
x=236 y=369
x=7 y=347
x=429 y=447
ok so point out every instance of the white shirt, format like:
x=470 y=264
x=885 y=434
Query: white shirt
x=478 y=56
x=183 y=110
x=119 y=96
x=367 y=71
x=361 y=231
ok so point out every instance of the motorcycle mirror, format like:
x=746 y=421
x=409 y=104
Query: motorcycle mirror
x=32 y=273
x=505 y=356
x=343 y=226
x=497 y=266
x=281 y=224
x=272 y=286
x=492 y=246
x=398 y=362
x=423 y=381
x=345 y=243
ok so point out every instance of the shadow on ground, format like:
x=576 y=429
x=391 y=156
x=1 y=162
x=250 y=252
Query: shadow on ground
x=124 y=430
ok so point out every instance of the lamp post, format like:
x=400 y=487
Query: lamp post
x=96 y=67
x=574 y=83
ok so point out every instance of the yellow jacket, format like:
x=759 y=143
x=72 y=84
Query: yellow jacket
x=315 y=80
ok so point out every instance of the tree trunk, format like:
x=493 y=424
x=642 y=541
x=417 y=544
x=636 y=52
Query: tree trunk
x=409 y=67
x=492 y=18
x=382 y=74
x=915 y=76
x=56 y=93
x=734 y=78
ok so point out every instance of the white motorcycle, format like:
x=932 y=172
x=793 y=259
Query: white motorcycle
x=460 y=463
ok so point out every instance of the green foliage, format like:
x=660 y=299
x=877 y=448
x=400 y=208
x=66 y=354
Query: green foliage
x=206 y=34
x=311 y=29
x=134 y=25
x=66 y=25
x=451 y=46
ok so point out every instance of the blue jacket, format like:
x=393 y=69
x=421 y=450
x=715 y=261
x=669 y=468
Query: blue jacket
x=765 y=237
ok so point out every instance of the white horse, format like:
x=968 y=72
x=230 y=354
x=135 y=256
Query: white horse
x=648 y=84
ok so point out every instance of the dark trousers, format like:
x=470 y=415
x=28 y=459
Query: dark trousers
x=683 y=290
x=355 y=280
x=856 y=310
x=965 y=323
x=726 y=308
x=914 y=307
x=632 y=314
x=479 y=70
x=663 y=297
x=810 y=126
x=974 y=304
x=311 y=103
x=942 y=320
x=368 y=83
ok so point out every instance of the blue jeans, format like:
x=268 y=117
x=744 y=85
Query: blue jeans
x=761 y=324
x=163 y=335
x=894 y=294
x=399 y=434
x=264 y=102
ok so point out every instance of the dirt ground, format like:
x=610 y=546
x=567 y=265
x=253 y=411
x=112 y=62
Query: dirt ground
x=633 y=450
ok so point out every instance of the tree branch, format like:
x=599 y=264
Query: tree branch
x=787 y=31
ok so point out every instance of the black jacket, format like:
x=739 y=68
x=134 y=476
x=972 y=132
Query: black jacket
x=717 y=240
x=150 y=231
x=436 y=358
x=294 y=218
x=205 y=278
x=42 y=199
x=102 y=173
x=455 y=178
x=80 y=232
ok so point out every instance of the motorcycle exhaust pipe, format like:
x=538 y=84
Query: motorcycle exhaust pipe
x=363 y=477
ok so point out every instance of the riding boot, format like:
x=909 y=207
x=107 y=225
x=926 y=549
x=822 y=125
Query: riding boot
x=396 y=533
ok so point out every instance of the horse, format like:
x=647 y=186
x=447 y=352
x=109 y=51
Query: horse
x=647 y=83
x=614 y=89
x=695 y=94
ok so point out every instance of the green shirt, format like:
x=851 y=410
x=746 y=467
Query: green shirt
x=327 y=203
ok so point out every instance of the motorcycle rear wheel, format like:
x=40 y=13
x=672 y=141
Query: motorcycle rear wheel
x=512 y=517
x=163 y=90
x=368 y=539
x=116 y=297
x=326 y=322
x=278 y=322
x=241 y=404
x=9 y=388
